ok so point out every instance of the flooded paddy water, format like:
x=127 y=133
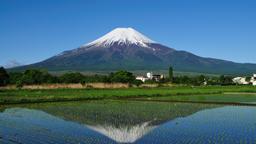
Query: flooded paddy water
x=113 y=121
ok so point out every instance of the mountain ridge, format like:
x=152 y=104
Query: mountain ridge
x=127 y=49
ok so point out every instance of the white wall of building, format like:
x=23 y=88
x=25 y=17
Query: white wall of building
x=150 y=75
x=240 y=80
x=253 y=80
x=143 y=79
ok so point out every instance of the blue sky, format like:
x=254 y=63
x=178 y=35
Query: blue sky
x=33 y=30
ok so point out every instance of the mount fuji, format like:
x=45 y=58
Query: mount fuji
x=128 y=49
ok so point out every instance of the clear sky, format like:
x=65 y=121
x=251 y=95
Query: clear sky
x=33 y=30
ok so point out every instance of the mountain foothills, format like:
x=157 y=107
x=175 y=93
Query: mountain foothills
x=127 y=49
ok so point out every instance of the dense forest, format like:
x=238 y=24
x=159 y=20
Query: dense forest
x=35 y=76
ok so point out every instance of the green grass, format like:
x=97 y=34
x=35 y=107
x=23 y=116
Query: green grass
x=216 y=98
x=53 y=95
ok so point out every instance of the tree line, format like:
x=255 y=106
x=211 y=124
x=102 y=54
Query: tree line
x=35 y=76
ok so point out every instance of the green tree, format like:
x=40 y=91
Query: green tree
x=14 y=77
x=4 y=77
x=35 y=76
x=248 y=79
x=122 y=77
x=213 y=81
x=225 y=80
x=199 y=80
x=137 y=82
x=31 y=77
x=96 y=78
x=171 y=73
x=182 y=80
x=19 y=84
x=72 y=78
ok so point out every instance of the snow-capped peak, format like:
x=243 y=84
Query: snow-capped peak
x=122 y=36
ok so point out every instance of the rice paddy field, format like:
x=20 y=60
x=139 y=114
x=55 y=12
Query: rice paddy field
x=195 y=115
x=178 y=93
x=126 y=121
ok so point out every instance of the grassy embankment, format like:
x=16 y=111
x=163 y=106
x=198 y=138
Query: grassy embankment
x=209 y=93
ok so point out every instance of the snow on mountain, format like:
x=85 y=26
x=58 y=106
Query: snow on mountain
x=121 y=36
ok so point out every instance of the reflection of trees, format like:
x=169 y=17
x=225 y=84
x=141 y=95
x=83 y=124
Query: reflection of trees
x=120 y=113
x=121 y=121
x=1 y=109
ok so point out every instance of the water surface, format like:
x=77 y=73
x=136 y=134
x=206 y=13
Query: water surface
x=127 y=122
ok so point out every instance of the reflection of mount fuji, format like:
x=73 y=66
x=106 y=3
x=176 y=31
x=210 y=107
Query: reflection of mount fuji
x=126 y=134
x=102 y=122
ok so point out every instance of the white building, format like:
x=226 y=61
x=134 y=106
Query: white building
x=240 y=80
x=253 y=80
x=142 y=78
x=150 y=76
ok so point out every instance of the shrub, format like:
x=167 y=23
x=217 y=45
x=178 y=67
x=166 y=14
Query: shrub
x=137 y=82
x=19 y=84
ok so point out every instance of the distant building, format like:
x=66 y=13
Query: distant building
x=243 y=81
x=240 y=80
x=205 y=82
x=142 y=78
x=157 y=77
x=253 y=80
x=150 y=76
